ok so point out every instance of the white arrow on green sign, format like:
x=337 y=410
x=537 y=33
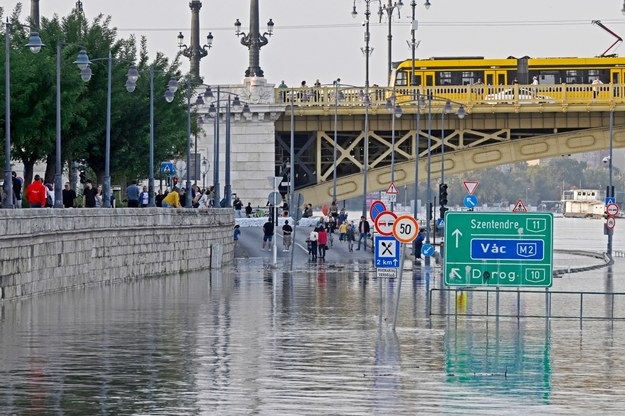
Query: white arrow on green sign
x=498 y=249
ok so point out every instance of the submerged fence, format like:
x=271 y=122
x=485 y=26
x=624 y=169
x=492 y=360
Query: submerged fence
x=526 y=303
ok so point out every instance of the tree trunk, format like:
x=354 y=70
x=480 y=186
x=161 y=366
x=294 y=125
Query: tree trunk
x=28 y=172
x=50 y=169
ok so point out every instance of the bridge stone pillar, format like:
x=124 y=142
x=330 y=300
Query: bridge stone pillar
x=252 y=139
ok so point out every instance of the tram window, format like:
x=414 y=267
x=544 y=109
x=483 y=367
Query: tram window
x=444 y=78
x=469 y=78
x=574 y=77
x=402 y=79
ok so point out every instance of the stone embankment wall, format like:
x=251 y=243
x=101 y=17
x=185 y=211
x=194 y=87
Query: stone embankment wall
x=47 y=250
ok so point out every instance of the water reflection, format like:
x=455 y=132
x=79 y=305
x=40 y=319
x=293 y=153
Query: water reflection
x=256 y=340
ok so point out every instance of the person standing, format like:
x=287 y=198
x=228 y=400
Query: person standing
x=312 y=239
x=144 y=197
x=238 y=207
x=99 y=197
x=322 y=241
x=237 y=232
x=132 y=194
x=350 y=234
x=287 y=230
x=418 y=245
x=36 y=193
x=88 y=195
x=363 y=231
x=248 y=210
x=267 y=234
x=17 y=189
x=69 y=196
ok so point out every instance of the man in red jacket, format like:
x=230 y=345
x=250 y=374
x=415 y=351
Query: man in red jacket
x=36 y=193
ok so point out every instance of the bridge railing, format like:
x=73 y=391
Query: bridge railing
x=469 y=95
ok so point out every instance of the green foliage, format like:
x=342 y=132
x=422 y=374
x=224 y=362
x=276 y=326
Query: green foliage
x=84 y=105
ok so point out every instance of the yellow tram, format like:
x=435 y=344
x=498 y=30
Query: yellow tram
x=477 y=70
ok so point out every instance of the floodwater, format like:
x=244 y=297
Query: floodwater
x=252 y=340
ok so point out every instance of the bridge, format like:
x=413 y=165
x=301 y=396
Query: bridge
x=503 y=124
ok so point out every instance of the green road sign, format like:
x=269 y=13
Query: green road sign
x=498 y=249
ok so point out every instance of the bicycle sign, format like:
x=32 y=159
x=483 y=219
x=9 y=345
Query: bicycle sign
x=405 y=229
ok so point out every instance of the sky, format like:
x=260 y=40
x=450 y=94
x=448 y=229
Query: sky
x=320 y=39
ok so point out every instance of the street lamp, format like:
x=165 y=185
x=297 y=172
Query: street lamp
x=34 y=44
x=367 y=50
x=395 y=110
x=81 y=62
x=131 y=81
x=205 y=167
x=389 y=9
x=254 y=40
x=215 y=111
x=172 y=87
x=461 y=114
x=338 y=96
x=194 y=51
x=610 y=173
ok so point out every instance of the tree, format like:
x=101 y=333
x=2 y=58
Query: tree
x=83 y=115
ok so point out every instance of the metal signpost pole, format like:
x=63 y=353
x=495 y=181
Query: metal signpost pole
x=107 y=156
x=151 y=200
x=187 y=197
x=228 y=187
x=8 y=180
x=216 y=200
x=610 y=188
x=428 y=213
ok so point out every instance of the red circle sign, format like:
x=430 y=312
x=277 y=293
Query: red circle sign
x=612 y=210
x=384 y=223
x=405 y=229
x=610 y=222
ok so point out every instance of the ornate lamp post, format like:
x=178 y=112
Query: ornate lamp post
x=254 y=40
x=367 y=50
x=34 y=44
x=194 y=51
x=389 y=9
x=82 y=61
x=214 y=111
x=131 y=83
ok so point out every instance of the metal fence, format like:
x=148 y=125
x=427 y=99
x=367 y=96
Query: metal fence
x=527 y=303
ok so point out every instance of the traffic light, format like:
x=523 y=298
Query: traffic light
x=82 y=176
x=442 y=194
x=442 y=211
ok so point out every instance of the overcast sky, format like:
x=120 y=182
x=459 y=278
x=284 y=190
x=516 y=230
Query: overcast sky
x=320 y=39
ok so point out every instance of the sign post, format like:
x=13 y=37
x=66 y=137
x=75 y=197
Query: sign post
x=405 y=230
x=498 y=249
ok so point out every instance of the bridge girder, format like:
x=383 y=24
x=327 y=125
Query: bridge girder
x=468 y=159
x=481 y=140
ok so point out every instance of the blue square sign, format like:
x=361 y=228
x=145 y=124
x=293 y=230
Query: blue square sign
x=610 y=200
x=386 y=252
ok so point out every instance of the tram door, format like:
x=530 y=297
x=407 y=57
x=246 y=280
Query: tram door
x=496 y=77
x=617 y=78
x=424 y=78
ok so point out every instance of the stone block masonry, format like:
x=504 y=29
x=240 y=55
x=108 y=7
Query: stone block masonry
x=48 y=250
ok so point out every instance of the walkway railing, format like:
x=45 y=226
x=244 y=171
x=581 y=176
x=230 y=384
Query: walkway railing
x=469 y=95
x=527 y=303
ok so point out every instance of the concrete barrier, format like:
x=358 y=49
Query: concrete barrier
x=47 y=250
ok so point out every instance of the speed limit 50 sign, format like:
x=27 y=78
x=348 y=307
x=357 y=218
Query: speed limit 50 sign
x=405 y=229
